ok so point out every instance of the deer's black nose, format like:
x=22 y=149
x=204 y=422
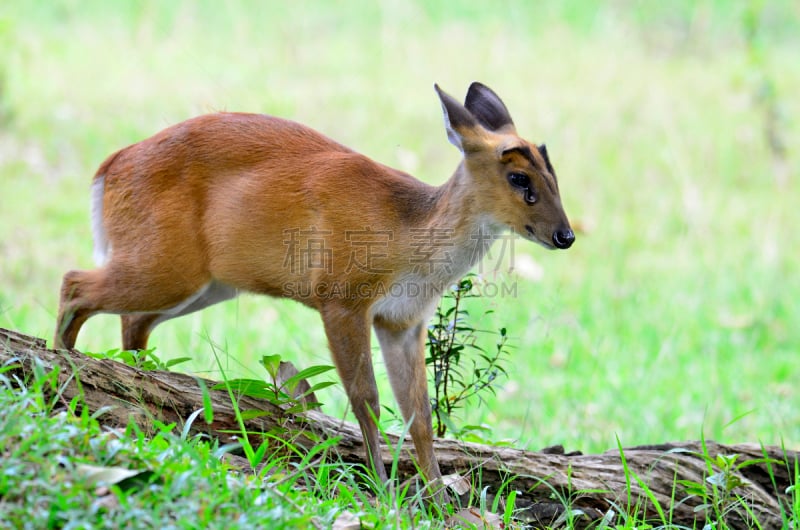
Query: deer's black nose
x=563 y=238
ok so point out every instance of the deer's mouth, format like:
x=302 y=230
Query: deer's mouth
x=533 y=237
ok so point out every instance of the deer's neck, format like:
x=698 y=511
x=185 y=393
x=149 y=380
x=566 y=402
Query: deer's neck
x=459 y=231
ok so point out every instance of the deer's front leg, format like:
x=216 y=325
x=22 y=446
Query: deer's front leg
x=349 y=338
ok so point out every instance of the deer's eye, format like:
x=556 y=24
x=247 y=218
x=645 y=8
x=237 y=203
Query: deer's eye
x=519 y=180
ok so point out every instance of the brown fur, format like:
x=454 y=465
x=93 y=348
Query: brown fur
x=209 y=206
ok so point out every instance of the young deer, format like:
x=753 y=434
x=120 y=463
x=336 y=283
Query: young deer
x=231 y=202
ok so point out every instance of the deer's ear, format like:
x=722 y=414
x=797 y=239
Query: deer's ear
x=458 y=121
x=488 y=108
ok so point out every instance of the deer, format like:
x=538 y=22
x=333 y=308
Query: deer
x=226 y=203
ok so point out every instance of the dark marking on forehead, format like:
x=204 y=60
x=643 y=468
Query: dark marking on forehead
x=543 y=151
x=526 y=152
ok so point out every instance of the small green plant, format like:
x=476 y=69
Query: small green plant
x=452 y=341
x=282 y=392
x=717 y=491
x=141 y=359
x=288 y=393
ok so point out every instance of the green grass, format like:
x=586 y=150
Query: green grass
x=62 y=468
x=675 y=313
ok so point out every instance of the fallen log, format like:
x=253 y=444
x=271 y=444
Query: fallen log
x=552 y=484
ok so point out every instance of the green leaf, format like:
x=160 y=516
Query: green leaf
x=302 y=407
x=318 y=386
x=179 y=360
x=258 y=456
x=756 y=461
x=311 y=371
x=187 y=426
x=476 y=428
x=250 y=414
x=271 y=363
x=447 y=421
x=718 y=479
x=687 y=484
x=208 y=410
x=726 y=461
x=247 y=387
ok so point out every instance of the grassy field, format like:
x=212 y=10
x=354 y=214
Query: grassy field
x=672 y=128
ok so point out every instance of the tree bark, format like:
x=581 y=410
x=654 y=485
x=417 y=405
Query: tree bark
x=552 y=485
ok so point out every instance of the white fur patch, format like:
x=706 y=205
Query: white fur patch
x=410 y=299
x=102 y=249
x=414 y=295
x=211 y=293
